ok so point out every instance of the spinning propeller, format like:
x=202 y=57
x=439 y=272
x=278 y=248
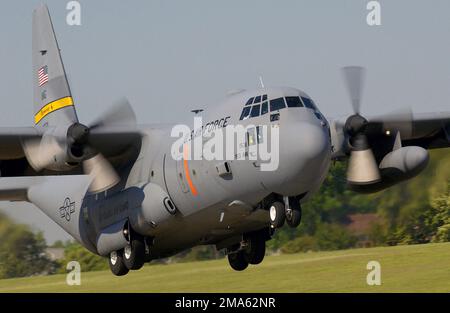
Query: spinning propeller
x=77 y=146
x=363 y=168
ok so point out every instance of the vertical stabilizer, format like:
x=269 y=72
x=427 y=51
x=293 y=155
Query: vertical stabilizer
x=53 y=103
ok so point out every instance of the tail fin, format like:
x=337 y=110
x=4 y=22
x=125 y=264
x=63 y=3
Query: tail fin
x=53 y=103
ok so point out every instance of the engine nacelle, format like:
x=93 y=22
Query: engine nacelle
x=52 y=151
x=155 y=210
x=397 y=166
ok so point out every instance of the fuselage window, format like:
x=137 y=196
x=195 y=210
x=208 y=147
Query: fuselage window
x=308 y=103
x=277 y=104
x=259 y=134
x=245 y=113
x=264 y=98
x=251 y=137
x=255 y=111
x=250 y=101
x=264 y=108
x=293 y=102
x=257 y=99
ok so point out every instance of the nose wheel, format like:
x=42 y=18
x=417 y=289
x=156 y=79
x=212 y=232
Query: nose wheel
x=293 y=212
x=289 y=211
x=277 y=214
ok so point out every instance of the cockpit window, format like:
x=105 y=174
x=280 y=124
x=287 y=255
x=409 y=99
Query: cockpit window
x=257 y=99
x=308 y=103
x=277 y=104
x=250 y=101
x=245 y=113
x=264 y=108
x=293 y=102
x=264 y=98
x=255 y=111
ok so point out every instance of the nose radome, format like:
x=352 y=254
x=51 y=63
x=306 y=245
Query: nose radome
x=312 y=141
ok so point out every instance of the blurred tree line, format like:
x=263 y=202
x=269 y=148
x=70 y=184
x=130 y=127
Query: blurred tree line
x=22 y=252
x=413 y=212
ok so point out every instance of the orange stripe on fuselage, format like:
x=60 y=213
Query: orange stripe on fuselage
x=186 y=170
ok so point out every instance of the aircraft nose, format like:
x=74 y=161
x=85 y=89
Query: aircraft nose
x=304 y=157
x=312 y=143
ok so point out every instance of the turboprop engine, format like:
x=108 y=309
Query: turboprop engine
x=364 y=139
x=63 y=148
x=397 y=166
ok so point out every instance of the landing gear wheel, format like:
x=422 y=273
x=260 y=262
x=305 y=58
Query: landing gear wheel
x=277 y=214
x=116 y=263
x=238 y=261
x=134 y=253
x=293 y=217
x=256 y=250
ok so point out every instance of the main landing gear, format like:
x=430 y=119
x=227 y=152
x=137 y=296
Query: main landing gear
x=250 y=251
x=132 y=257
x=289 y=211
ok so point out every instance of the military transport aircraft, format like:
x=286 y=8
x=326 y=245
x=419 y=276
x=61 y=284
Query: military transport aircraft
x=116 y=188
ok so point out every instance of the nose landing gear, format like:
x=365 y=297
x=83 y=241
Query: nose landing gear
x=289 y=211
x=277 y=214
x=293 y=211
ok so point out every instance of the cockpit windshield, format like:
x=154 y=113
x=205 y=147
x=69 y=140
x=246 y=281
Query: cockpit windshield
x=260 y=105
x=309 y=103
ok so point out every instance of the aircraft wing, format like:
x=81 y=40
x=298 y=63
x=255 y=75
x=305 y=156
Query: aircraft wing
x=117 y=144
x=427 y=130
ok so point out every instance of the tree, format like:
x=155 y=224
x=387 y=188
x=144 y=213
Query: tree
x=22 y=252
x=438 y=217
x=89 y=261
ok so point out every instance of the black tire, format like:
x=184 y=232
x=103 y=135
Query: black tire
x=116 y=263
x=277 y=214
x=238 y=261
x=256 y=250
x=294 y=217
x=134 y=253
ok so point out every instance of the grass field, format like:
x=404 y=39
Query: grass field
x=419 y=268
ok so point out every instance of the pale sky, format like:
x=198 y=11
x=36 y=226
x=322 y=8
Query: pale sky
x=168 y=57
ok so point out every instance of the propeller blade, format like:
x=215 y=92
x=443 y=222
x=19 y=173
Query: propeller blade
x=354 y=77
x=103 y=174
x=120 y=114
x=362 y=167
x=41 y=152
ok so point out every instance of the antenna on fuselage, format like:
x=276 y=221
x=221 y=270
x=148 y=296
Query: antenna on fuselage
x=197 y=111
x=261 y=81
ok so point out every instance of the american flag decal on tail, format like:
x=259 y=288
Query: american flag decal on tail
x=43 y=75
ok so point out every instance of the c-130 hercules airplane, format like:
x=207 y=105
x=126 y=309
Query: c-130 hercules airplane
x=117 y=189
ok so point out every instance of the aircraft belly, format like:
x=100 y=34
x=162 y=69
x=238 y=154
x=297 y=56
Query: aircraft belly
x=207 y=226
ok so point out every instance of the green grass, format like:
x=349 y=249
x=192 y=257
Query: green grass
x=419 y=268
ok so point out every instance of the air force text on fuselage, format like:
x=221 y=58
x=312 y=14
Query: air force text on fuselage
x=220 y=140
